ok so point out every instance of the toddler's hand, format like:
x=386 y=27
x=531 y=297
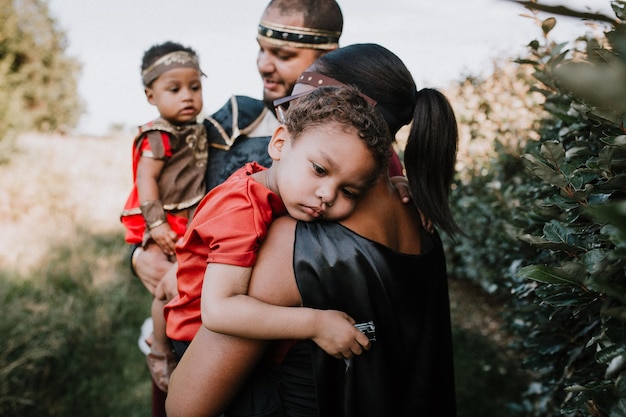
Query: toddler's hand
x=165 y=237
x=402 y=187
x=337 y=335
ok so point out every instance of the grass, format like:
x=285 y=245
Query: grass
x=71 y=310
x=70 y=345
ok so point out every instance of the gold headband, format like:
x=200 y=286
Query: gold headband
x=176 y=59
x=298 y=37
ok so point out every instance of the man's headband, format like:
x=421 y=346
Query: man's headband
x=297 y=37
x=176 y=59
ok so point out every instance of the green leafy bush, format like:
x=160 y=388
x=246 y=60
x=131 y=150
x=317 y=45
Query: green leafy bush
x=548 y=227
x=577 y=334
x=497 y=116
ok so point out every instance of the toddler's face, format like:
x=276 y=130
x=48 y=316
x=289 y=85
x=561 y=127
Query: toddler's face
x=177 y=94
x=323 y=173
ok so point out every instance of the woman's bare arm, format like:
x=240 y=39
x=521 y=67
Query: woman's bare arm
x=210 y=374
x=215 y=366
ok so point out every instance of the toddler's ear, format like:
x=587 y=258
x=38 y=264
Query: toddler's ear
x=149 y=95
x=277 y=142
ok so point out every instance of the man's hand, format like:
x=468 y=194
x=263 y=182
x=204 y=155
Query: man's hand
x=151 y=265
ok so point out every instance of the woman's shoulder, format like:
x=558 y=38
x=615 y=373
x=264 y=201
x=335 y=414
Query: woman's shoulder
x=334 y=234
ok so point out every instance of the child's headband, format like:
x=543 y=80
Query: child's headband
x=176 y=59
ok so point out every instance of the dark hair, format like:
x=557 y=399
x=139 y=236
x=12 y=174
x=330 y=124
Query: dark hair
x=344 y=105
x=430 y=157
x=318 y=14
x=430 y=153
x=157 y=51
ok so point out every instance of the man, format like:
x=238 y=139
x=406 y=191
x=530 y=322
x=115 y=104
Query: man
x=291 y=35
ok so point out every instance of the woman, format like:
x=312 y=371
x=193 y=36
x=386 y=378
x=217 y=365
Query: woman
x=378 y=265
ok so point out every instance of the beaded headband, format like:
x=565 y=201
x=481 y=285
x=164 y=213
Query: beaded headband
x=298 y=37
x=176 y=59
x=316 y=80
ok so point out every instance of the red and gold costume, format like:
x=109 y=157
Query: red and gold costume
x=181 y=183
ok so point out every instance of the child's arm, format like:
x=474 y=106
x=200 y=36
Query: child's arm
x=227 y=309
x=148 y=171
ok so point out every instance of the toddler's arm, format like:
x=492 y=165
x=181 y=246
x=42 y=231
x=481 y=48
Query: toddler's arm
x=226 y=308
x=148 y=171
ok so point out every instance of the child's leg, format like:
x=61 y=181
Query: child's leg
x=161 y=359
x=160 y=342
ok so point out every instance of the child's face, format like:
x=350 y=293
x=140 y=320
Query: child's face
x=323 y=173
x=177 y=94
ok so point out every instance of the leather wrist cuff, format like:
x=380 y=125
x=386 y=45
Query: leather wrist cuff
x=153 y=213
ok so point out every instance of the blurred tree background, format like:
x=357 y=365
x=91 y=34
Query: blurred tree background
x=38 y=81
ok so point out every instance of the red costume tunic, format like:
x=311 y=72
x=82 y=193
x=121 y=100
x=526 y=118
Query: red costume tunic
x=181 y=182
x=229 y=225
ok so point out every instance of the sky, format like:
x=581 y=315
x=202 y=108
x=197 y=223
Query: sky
x=440 y=42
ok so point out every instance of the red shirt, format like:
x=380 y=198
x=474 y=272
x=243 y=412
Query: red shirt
x=229 y=225
x=395 y=165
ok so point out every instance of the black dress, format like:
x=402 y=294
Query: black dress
x=409 y=370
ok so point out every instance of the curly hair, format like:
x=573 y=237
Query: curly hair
x=343 y=105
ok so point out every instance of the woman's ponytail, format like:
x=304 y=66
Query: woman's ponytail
x=430 y=158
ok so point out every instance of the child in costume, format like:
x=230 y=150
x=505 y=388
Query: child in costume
x=331 y=148
x=169 y=159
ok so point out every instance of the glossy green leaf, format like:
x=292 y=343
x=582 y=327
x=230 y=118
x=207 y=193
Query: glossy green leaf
x=554 y=231
x=545 y=172
x=553 y=152
x=546 y=244
x=545 y=274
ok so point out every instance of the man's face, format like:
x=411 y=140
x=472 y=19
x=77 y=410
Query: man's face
x=280 y=66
